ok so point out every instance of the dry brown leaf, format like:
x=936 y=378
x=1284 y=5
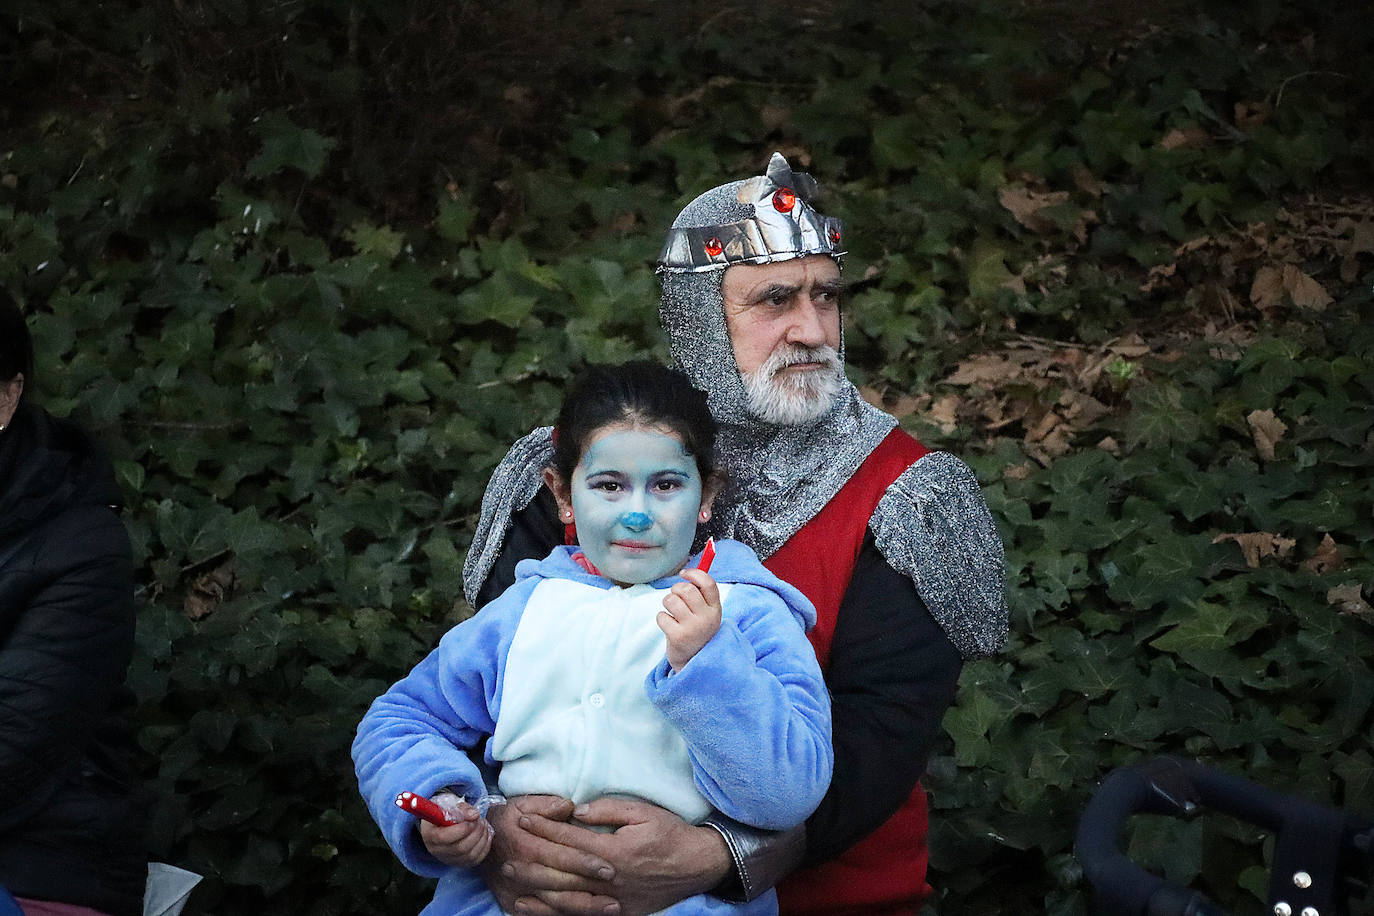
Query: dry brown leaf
x=1186 y=138
x=1047 y=424
x=1025 y=206
x=1348 y=600
x=1328 y=558
x=208 y=591
x=1110 y=446
x=944 y=412
x=1362 y=239
x=1085 y=181
x=1305 y=292
x=774 y=117
x=1017 y=471
x=1267 y=431
x=871 y=395
x=986 y=368
x=1132 y=346
x=1083 y=409
x=1256 y=545
x=1266 y=292
x=1158 y=276
x=907 y=404
x=1250 y=115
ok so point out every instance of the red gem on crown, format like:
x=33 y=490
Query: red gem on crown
x=713 y=246
x=834 y=237
x=784 y=199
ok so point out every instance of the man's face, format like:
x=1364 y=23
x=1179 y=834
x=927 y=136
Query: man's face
x=784 y=324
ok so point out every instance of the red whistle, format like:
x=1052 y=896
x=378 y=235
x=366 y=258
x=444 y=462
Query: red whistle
x=708 y=553
x=423 y=808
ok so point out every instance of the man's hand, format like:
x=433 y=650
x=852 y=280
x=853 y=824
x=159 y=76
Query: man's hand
x=525 y=869
x=463 y=844
x=653 y=859
x=659 y=858
x=690 y=616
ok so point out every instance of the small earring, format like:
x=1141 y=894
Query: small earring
x=705 y=514
x=567 y=513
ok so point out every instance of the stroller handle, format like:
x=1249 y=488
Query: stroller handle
x=1315 y=844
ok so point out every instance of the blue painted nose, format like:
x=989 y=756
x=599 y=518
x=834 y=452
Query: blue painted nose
x=636 y=521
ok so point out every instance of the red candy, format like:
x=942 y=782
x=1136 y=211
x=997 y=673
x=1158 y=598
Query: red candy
x=708 y=553
x=423 y=808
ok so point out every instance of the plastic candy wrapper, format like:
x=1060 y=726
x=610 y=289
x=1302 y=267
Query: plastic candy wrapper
x=442 y=810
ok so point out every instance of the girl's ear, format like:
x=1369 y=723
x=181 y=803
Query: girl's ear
x=710 y=489
x=562 y=494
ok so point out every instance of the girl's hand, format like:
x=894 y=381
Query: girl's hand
x=690 y=616
x=465 y=844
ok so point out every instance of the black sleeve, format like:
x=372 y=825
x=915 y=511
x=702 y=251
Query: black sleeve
x=62 y=664
x=535 y=530
x=892 y=675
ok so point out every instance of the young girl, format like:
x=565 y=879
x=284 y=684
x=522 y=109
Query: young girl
x=608 y=668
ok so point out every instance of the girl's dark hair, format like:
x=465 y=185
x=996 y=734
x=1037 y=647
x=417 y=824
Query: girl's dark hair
x=639 y=392
x=16 y=346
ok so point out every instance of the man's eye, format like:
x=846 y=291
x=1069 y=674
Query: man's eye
x=609 y=486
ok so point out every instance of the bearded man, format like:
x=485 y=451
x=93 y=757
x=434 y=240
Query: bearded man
x=892 y=543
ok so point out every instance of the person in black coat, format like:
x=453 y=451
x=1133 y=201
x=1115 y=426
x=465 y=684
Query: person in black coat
x=69 y=831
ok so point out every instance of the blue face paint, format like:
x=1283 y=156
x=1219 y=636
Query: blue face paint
x=635 y=498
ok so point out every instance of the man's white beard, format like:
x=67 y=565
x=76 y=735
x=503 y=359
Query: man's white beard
x=797 y=397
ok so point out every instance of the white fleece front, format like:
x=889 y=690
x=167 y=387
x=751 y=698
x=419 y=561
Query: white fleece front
x=575 y=718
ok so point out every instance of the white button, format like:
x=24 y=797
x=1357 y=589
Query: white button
x=597 y=700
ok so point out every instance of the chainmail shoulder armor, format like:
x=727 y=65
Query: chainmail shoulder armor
x=513 y=484
x=933 y=525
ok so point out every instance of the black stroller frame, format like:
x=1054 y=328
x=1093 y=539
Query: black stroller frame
x=1322 y=856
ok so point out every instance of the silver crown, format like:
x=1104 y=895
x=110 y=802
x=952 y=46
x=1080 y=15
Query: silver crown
x=783 y=225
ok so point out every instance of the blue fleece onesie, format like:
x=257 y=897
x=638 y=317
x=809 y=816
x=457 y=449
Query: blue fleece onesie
x=566 y=673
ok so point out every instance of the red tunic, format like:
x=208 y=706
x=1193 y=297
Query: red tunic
x=886 y=871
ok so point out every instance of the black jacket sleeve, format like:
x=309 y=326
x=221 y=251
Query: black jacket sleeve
x=892 y=675
x=535 y=530
x=62 y=663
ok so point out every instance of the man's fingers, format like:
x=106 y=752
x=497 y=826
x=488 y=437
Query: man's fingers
x=572 y=848
x=553 y=807
x=533 y=906
x=614 y=812
x=579 y=903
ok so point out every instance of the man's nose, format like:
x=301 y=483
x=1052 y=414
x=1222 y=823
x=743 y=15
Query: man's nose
x=635 y=520
x=807 y=327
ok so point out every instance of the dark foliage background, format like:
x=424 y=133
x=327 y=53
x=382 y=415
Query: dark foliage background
x=309 y=266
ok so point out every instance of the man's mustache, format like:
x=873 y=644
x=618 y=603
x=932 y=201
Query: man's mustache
x=796 y=355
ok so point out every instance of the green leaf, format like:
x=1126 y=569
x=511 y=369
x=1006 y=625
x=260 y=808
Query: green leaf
x=287 y=145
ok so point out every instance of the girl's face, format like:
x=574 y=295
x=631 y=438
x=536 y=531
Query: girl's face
x=635 y=496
